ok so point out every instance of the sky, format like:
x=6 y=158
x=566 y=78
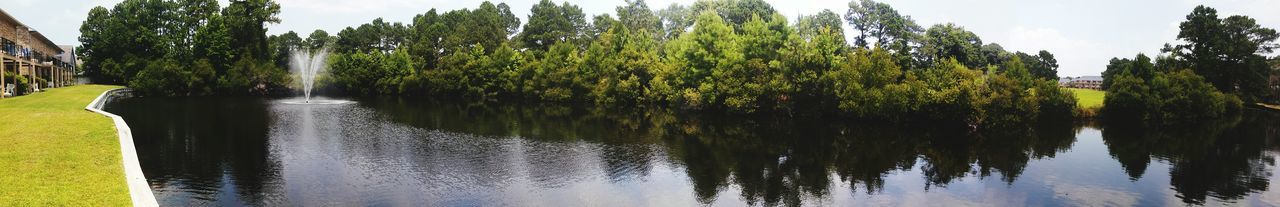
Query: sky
x=1082 y=34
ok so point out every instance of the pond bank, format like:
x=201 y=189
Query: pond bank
x=57 y=153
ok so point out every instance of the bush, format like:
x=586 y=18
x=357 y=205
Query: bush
x=1167 y=97
x=20 y=83
x=373 y=72
x=160 y=78
x=168 y=78
x=249 y=76
x=41 y=83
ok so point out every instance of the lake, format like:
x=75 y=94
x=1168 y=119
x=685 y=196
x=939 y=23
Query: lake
x=415 y=152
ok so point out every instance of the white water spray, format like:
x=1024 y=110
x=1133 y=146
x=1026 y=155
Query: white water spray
x=307 y=64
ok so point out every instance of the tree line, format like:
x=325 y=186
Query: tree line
x=1218 y=66
x=739 y=56
x=183 y=47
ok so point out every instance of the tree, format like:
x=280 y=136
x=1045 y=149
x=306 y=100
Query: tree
x=1140 y=66
x=1042 y=65
x=758 y=80
x=811 y=25
x=599 y=25
x=317 y=40
x=186 y=47
x=809 y=59
x=637 y=17
x=1166 y=98
x=282 y=45
x=951 y=41
x=191 y=15
x=246 y=22
x=623 y=63
x=711 y=46
x=556 y=74
x=675 y=19
x=550 y=24
x=377 y=36
x=739 y=12
x=1227 y=52
x=97 y=42
x=880 y=21
x=213 y=44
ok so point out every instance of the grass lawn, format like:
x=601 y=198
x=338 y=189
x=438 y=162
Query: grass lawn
x=57 y=154
x=1088 y=98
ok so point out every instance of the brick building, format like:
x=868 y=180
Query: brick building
x=29 y=54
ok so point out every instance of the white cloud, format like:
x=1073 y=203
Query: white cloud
x=1075 y=57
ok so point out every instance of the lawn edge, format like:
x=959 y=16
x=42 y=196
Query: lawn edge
x=139 y=190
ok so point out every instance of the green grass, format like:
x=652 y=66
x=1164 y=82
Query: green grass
x=57 y=154
x=1088 y=98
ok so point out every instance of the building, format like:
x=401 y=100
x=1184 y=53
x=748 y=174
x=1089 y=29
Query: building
x=1086 y=82
x=29 y=54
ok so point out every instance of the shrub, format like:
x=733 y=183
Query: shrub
x=1167 y=97
x=20 y=83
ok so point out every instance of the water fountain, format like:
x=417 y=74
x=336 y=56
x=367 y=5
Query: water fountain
x=306 y=64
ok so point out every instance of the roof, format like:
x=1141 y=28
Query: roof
x=46 y=41
x=1081 y=78
x=1090 y=78
x=6 y=17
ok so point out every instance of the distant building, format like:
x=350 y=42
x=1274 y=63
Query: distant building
x=26 y=53
x=1086 y=82
x=68 y=57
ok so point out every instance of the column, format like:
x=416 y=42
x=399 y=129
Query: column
x=3 y=67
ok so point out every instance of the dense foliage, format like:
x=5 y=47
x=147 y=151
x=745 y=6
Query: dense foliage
x=1219 y=63
x=726 y=55
x=1227 y=52
x=1167 y=97
x=183 y=47
x=738 y=56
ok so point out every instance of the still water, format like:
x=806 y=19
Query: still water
x=415 y=152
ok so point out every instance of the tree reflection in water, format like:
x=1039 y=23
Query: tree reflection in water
x=204 y=144
x=1225 y=159
x=227 y=151
x=772 y=160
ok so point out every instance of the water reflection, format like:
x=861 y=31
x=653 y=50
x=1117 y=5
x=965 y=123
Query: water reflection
x=203 y=149
x=770 y=160
x=393 y=151
x=1226 y=160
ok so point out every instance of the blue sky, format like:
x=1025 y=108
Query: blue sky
x=1083 y=34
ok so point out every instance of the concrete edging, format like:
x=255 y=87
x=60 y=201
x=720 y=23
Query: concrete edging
x=139 y=190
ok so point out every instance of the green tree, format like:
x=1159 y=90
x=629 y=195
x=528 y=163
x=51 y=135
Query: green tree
x=97 y=42
x=246 y=22
x=637 y=17
x=249 y=76
x=711 y=46
x=213 y=44
x=950 y=41
x=555 y=75
x=1042 y=65
x=623 y=62
x=1140 y=66
x=1226 y=52
x=282 y=45
x=550 y=24
x=759 y=79
x=812 y=25
x=880 y=21
x=318 y=39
